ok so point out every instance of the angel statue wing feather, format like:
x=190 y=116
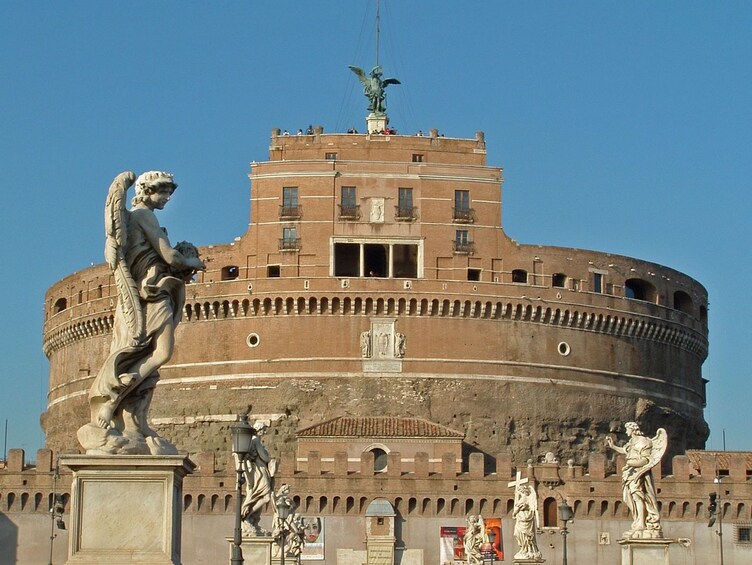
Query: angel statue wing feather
x=361 y=75
x=660 y=443
x=116 y=239
x=390 y=81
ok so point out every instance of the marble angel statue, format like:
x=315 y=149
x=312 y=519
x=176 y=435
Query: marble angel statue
x=150 y=276
x=638 y=487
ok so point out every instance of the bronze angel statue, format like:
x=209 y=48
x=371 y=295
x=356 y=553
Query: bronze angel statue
x=150 y=277
x=638 y=487
x=374 y=87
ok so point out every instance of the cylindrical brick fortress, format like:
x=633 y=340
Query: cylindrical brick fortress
x=375 y=279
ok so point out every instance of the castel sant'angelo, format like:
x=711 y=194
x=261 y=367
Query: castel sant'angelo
x=399 y=344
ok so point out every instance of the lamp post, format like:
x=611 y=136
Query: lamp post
x=566 y=514
x=283 y=512
x=717 y=481
x=241 y=444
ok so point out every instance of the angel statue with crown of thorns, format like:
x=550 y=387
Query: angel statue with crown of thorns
x=150 y=277
x=638 y=487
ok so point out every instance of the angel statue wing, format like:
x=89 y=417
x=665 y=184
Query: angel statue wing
x=361 y=75
x=116 y=239
x=660 y=443
x=389 y=81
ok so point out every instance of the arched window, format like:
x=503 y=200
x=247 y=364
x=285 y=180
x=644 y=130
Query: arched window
x=519 y=276
x=638 y=289
x=60 y=305
x=550 y=517
x=379 y=459
x=683 y=302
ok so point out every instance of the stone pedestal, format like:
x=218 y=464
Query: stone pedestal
x=645 y=551
x=376 y=122
x=256 y=551
x=126 y=508
x=529 y=561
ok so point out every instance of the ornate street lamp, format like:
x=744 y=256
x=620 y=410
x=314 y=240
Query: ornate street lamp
x=283 y=512
x=241 y=445
x=566 y=514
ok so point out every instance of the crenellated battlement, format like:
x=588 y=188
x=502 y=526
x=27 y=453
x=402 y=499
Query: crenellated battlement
x=594 y=491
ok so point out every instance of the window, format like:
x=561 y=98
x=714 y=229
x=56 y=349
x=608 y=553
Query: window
x=379 y=459
x=331 y=157
x=373 y=258
x=289 y=241
x=473 y=274
x=290 y=208
x=519 y=276
x=683 y=302
x=229 y=273
x=348 y=208
x=559 y=280
x=272 y=271
x=638 y=289
x=60 y=305
x=462 y=211
x=462 y=243
x=417 y=158
x=743 y=534
x=597 y=282
x=405 y=210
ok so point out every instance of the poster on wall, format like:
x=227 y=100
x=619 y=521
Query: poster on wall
x=452 y=548
x=313 y=528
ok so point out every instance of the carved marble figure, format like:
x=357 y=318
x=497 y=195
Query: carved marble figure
x=526 y=521
x=638 y=486
x=365 y=344
x=474 y=537
x=150 y=277
x=292 y=526
x=259 y=469
x=399 y=344
x=374 y=87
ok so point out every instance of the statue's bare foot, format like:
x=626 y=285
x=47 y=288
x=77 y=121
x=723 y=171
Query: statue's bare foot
x=104 y=416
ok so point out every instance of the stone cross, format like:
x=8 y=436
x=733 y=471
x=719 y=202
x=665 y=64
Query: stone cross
x=518 y=482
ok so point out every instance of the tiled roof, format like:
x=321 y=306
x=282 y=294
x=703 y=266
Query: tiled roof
x=380 y=426
x=723 y=457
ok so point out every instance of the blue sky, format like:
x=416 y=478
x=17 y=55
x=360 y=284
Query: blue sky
x=623 y=127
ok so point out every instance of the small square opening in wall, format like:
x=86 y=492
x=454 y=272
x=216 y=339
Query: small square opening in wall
x=272 y=271
x=473 y=274
x=743 y=534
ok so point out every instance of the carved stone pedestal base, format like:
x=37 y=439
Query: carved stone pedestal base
x=256 y=551
x=529 y=561
x=376 y=122
x=126 y=509
x=645 y=551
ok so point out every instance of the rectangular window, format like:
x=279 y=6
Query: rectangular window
x=405 y=204
x=462 y=199
x=417 y=158
x=597 y=282
x=331 y=157
x=290 y=207
x=289 y=241
x=348 y=197
x=462 y=212
x=743 y=534
x=272 y=271
x=460 y=237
